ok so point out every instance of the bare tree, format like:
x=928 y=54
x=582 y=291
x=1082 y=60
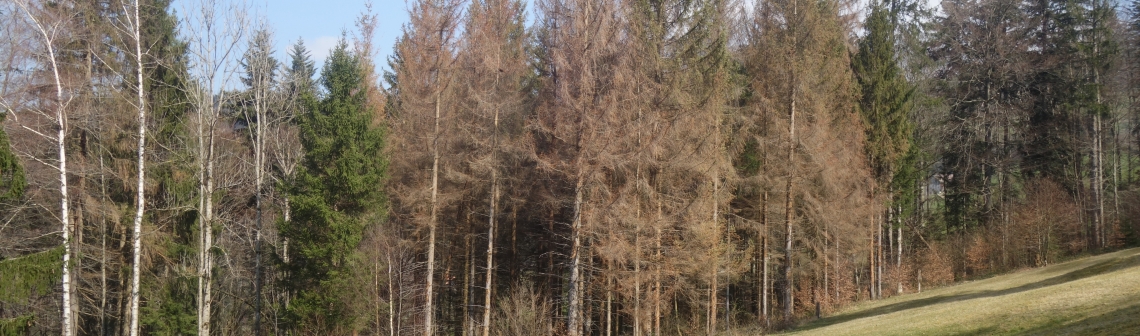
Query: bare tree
x=260 y=80
x=140 y=197
x=50 y=31
x=215 y=33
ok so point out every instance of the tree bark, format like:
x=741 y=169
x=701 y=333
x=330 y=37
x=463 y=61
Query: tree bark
x=789 y=304
x=428 y=309
x=491 y=231
x=140 y=197
x=574 y=318
x=764 y=289
x=657 y=277
x=788 y=210
x=259 y=162
x=715 y=259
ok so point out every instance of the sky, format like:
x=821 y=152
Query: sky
x=319 y=23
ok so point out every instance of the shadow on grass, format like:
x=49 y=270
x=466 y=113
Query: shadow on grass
x=1101 y=267
x=1122 y=321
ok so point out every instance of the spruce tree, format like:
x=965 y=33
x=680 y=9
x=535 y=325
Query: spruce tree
x=886 y=99
x=300 y=72
x=337 y=193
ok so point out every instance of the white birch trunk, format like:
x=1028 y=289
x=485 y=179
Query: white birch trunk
x=140 y=196
x=60 y=139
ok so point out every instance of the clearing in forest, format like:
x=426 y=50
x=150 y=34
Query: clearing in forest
x=1097 y=295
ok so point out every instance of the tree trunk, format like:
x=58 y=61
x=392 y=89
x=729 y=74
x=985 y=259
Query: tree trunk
x=789 y=304
x=574 y=318
x=764 y=289
x=391 y=298
x=871 y=263
x=657 y=277
x=898 y=255
x=61 y=144
x=429 y=327
x=468 y=273
x=140 y=196
x=788 y=211
x=1098 y=184
x=491 y=231
x=102 y=250
x=715 y=259
x=609 y=303
x=881 y=258
x=259 y=161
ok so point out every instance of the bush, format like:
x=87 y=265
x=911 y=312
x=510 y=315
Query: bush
x=523 y=312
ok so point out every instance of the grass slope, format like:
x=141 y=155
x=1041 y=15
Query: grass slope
x=1098 y=295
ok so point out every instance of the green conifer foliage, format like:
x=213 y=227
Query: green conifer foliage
x=16 y=326
x=336 y=194
x=167 y=302
x=12 y=182
x=886 y=99
x=31 y=275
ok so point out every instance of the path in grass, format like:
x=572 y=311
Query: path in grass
x=1092 y=296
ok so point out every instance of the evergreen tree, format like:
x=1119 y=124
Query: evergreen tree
x=300 y=72
x=167 y=302
x=12 y=181
x=337 y=193
x=886 y=99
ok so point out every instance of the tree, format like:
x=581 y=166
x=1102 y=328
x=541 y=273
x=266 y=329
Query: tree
x=578 y=119
x=494 y=59
x=982 y=46
x=260 y=80
x=215 y=33
x=886 y=96
x=800 y=84
x=886 y=101
x=423 y=93
x=47 y=30
x=140 y=198
x=335 y=196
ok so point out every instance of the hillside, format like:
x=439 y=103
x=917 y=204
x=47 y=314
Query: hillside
x=1098 y=295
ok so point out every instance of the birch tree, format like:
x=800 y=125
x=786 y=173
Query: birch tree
x=49 y=30
x=140 y=197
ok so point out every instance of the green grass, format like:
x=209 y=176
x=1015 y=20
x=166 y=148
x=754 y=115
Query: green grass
x=1097 y=295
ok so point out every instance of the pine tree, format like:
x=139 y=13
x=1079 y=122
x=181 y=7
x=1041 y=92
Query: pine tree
x=336 y=194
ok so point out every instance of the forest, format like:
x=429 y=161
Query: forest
x=550 y=167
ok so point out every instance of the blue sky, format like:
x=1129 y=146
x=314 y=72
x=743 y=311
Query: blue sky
x=319 y=23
